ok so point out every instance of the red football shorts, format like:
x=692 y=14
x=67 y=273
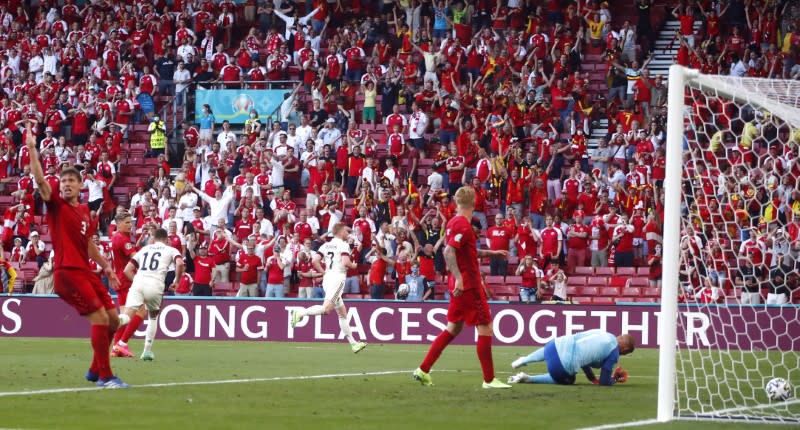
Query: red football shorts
x=471 y=307
x=122 y=293
x=82 y=290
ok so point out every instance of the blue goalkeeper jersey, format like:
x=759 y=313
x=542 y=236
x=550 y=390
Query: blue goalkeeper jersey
x=589 y=349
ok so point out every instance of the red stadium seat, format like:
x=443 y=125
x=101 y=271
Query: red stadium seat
x=632 y=292
x=652 y=292
x=639 y=281
x=513 y=280
x=588 y=291
x=495 y=280
x=505 y=289
x=582 y=300
x=626 y=271
x=578 y=281
x=610 y=291
x=603 y=301
x=596 y=281
x=584 y=270
x=618 y=281
x=603 y=271
x=643 y=271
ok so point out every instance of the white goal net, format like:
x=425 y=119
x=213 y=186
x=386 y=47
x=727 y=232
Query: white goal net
x=731 y=258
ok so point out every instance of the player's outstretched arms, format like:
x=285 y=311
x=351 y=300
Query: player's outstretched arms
x=36 y=165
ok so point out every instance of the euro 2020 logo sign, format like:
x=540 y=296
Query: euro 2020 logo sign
x=243 y=104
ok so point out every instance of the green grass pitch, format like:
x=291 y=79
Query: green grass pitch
x=284 y=400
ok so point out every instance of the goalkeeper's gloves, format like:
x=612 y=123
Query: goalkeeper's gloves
x=620 y=375
x=518 y=378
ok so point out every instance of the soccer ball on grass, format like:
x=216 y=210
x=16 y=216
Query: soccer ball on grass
x=778 y=389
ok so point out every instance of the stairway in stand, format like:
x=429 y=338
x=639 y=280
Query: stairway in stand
x=665 y=49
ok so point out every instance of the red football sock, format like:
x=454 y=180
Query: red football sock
x=484 y=348
x=118 y=335
x=100 y=344
x=438 y=345
x=130 y=329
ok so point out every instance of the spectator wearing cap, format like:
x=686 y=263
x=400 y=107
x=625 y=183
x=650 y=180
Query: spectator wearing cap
x=274 y=267
x=35 y=249
x=204 y=271
x=330 y=135
x=578 y=235
x=197 y=221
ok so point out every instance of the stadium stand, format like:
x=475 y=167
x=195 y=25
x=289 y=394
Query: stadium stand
x=549 y=104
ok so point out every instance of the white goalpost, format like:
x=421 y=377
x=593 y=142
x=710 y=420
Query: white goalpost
x=731 y=170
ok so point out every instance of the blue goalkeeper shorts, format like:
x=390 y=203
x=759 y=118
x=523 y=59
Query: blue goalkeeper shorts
x=554 y=366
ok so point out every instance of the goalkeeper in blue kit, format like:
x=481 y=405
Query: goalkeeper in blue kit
x=566 y=355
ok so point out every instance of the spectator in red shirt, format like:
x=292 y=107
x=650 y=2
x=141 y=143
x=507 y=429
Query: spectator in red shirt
x=552 y=238
x=377 y=272
x=498 y=238
x=622 y=239
x=248 y=266
x=204 y=271
x=577 y=242
x=530 y=288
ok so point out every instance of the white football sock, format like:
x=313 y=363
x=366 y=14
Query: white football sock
x=313 y=310
x=150 y=334
x=123 y=320
x=346 y=330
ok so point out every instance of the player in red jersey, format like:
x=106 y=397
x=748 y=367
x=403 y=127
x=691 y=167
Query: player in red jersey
x=71 y=227
x=468 y=303
x=123 y=248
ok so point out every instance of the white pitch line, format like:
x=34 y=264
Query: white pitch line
x=621 y=425
x=217 y=382
x=755 y=407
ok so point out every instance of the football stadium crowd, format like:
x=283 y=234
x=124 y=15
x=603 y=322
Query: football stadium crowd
x=390 y=107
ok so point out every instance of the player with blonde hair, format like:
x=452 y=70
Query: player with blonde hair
x=468 y=303
x=336 y=255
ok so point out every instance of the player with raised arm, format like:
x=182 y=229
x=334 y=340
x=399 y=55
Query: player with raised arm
x=336 y=254
x=147 y=271
x=71 y=227
x=122 y=249
x=566 y=355
x=468 y=303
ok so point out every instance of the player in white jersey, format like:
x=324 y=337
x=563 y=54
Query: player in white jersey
x=148 y=269
x=336 y=255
